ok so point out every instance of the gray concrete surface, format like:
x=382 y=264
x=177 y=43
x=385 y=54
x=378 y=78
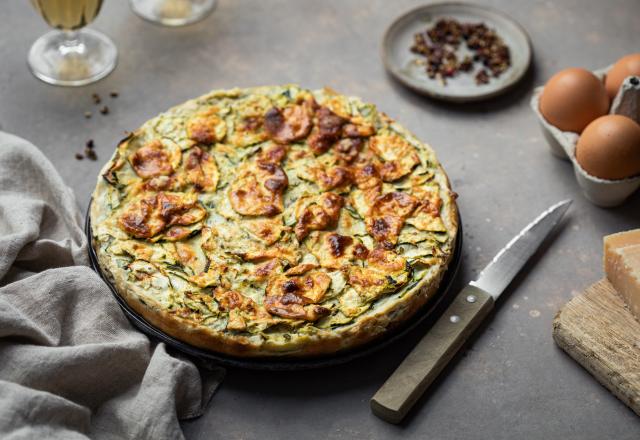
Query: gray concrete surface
x=512 y=382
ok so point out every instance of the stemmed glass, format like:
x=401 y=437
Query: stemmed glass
x=71 y=55
x=173 y=12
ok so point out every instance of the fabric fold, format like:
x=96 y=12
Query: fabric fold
x=71 y=364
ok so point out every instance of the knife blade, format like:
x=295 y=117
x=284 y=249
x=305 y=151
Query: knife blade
x=467 y=310
x=497 y=275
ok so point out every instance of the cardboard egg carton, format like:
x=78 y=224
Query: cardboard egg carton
x=602 y=192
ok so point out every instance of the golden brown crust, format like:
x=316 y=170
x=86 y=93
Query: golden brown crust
x=357 y=335
x=301 y=291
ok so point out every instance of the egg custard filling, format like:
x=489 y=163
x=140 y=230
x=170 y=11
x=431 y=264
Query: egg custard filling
x=274 y=221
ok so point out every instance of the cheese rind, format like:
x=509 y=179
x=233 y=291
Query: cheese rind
x=620 y=240
x=622 y=266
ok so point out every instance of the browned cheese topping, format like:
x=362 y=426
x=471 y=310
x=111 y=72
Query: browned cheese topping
x=388 y=214
x=295 y=297
x=290 y=124
x=380 y=276
x=281 y=211
x=153 y=213
x=204 y=127
x=397 y=155
x=320 y=214
x=201 y=170
x=239 y=307
x=326 y=131
x=151 y=160
x=258 y=189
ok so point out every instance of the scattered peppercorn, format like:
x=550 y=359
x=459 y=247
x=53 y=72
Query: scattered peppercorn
x=96 y=98
x=466 y=65
x=90 y=144
x=114 y=94
x=79 y=156
x=104 y=110
x=438 y=44
x=87 y=115
x=91 y=154
x=482 y=77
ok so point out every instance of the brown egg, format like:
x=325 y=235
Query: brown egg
x=626 y=66
x=572 y=98
x=609 y=148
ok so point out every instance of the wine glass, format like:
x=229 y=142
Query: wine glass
x=71 y=55
x=173 y=12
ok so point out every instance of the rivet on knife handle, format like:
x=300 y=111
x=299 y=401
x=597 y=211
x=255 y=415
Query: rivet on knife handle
x=420 y=368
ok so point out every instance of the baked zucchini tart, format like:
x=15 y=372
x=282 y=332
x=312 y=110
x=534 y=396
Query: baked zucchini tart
x=274 y=221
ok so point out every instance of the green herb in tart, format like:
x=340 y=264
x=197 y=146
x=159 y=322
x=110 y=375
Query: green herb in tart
x=274 y=221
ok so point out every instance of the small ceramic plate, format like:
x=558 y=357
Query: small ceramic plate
x=401 y=62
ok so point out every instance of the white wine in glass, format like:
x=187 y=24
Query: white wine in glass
x=173 y=12
x=71 y=55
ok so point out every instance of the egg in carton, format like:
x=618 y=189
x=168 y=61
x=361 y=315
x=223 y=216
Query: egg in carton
x=602 y=192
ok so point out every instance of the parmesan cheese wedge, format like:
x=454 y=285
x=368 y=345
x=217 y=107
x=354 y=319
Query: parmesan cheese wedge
x=622 y=266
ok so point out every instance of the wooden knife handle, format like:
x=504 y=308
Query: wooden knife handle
x=420 y=368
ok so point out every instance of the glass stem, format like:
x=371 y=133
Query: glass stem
x=70 y=42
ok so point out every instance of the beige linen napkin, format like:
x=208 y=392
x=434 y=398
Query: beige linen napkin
x=71 y=365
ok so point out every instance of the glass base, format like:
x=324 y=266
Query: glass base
x=72 y=58
x=173 y=12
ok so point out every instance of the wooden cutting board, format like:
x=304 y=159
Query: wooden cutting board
x=596 y=329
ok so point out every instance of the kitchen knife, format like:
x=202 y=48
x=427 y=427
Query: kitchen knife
x=469 y=308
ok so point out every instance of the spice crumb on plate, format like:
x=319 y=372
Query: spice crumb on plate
x=440 y=45
x=482 y=77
